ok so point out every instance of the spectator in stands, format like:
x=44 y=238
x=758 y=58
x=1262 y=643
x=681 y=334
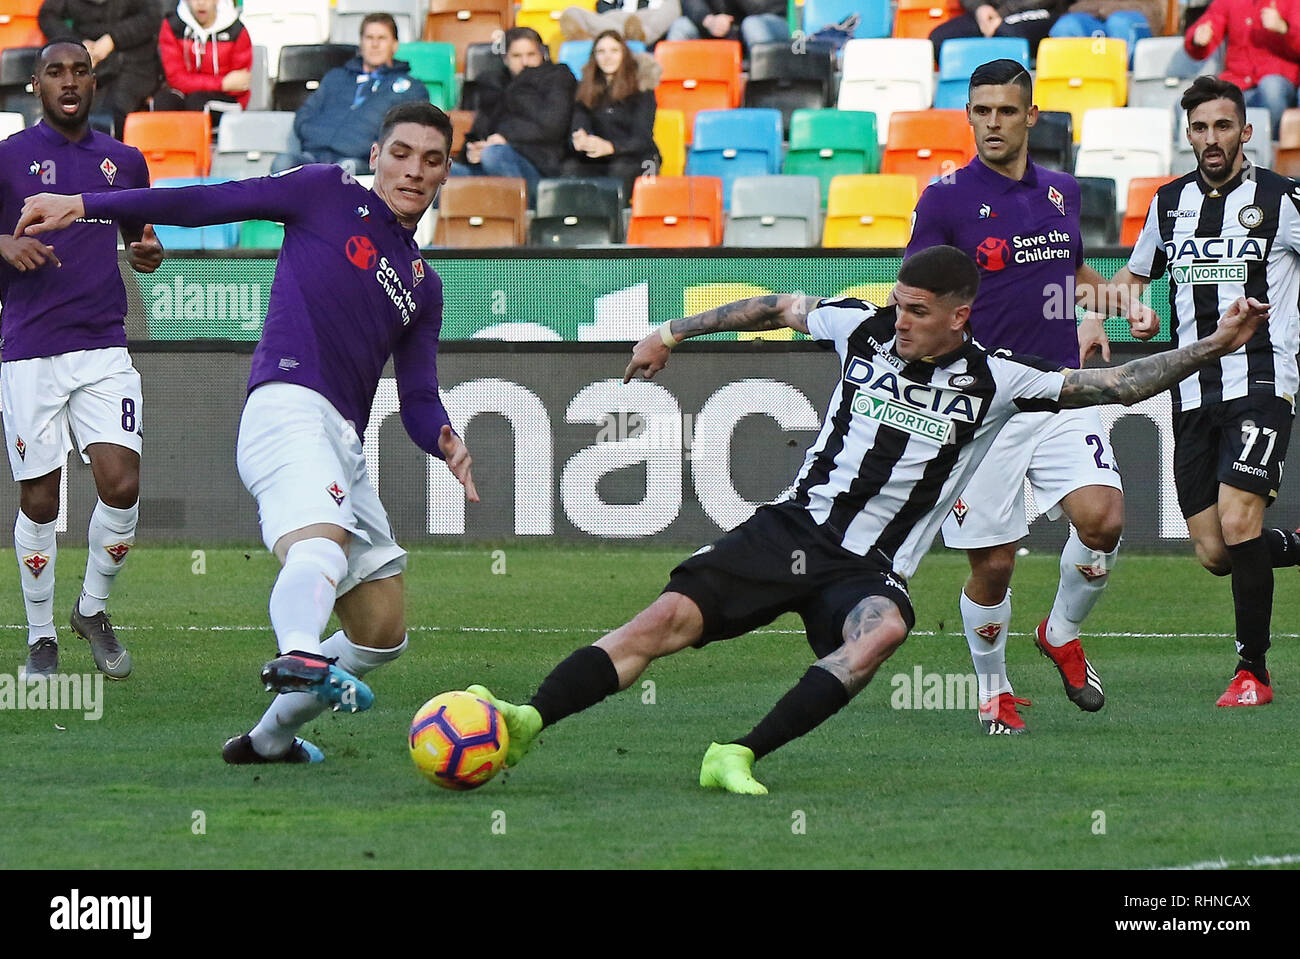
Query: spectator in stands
x=341 y=120
x=644 y=20
x=753 y=21
x=614 y=114
x=207 y=57
x=1263 y=55
x=522 y=125
x=122 y=37
x=1031 y=19
x=1093 y=18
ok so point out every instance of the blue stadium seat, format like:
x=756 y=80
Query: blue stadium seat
x=730 y=143
x=574 y=54
x=877 y=16
x=958 y=59
x=223 y=236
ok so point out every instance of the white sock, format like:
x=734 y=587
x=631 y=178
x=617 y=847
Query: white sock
x=303 y=596
x=110 y=537
x=986 y=635
x=1079 y=591
x=275 y=731
x=36 y=550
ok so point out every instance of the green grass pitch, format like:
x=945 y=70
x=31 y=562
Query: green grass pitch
x=1160 y=777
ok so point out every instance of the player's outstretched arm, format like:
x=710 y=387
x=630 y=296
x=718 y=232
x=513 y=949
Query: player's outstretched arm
x=1138 y=379
x=770 y=312
x=456 y=455
x=45 y=212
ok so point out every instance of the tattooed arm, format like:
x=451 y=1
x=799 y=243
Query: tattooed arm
x=770 y=312
x=1139 y=379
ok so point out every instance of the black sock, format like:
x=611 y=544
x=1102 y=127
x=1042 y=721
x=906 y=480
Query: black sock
x=581 y=681
x=1252 y=601
x=1283 y=546
x=816 y=698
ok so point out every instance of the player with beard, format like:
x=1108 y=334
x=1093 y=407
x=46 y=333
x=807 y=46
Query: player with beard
x=66 y=379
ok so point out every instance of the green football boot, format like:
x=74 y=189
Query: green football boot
x=523 y=723
x=730 y=767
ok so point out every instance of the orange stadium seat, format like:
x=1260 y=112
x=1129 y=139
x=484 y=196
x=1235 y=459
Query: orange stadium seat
x=18 y=26
x=1141 y=191
x=870 y=209
x=676 y=211
x=463 y=22
x=1078 y=74
x=174 y=143
x=928 y=143
x=482 y=211
x=461 y=123
x=916 y=18
x=698 y=75
x=1287 y=161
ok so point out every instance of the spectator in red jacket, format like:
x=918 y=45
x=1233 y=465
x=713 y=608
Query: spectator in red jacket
x=1263 y=55
x=207 y=56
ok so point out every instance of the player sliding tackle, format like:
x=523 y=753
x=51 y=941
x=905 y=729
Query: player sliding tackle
x=918 y=405
x=350 y=290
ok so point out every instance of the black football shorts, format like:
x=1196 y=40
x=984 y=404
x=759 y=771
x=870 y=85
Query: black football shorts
x=1240 y=443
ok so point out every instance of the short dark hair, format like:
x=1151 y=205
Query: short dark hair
x=1207 y=88
x=62 y=41
x=998 y=73
x=385 y=18
x=943 y=271
x=526 y=33
x=416 y=111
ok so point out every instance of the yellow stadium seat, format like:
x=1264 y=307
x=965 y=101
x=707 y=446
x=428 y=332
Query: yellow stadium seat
x=870 y=209
x=544 y=17
x=1077 y=74
x=670 y=138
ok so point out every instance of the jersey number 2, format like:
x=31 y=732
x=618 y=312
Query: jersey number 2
x=1093 y=440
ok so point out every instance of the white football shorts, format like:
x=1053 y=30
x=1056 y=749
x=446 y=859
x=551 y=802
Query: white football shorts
x=1057 y=452
x=55 y=404
x=304 y=464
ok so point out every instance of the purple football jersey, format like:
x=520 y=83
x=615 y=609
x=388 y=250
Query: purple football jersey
x=82 y=304
x=1024 y=235
x=350 y=288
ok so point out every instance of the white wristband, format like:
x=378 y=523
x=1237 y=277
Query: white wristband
x=666 y=334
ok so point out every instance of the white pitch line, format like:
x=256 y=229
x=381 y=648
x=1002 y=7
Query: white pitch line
x=1290 y=859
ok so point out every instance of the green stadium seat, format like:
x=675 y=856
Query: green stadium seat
x=828 y=143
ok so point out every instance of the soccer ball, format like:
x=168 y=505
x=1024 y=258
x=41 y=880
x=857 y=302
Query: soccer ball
x=458 y=740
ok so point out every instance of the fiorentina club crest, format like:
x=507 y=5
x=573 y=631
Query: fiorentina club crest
x=1091 y=573
x=336 y=492
x=21 y=447
x=989 y=631
x=1057 y=198
x=118 y=551
x=959 y=510
x=417 y=271
x=109 y=169
x=36 y=562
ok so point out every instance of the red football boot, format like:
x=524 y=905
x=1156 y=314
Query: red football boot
x=1246 y=690
x=999 y=717
x=1082 y=683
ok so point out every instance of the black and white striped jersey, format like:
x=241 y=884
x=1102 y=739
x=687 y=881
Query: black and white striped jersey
x=1217 y=245
x=900 y=440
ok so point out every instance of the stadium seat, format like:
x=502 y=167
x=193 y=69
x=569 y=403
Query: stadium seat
x=928 y=143
x=345 y=24
x=1130 y=26
x=785 y=80
x=482 y=211
x=259 y=84
x=774 y=211
x=676 y=211
x=1287 y=161
x=1051 y=140
x=248 y=142
x=577 y=212
x=875 y=16
x=434 y=65
x=670 y=137
x=301 y=68
x=18 y=25
x=463 y=22
x=462 y=121
x=11 y=123
x=870 y=210
x=828 y=143
x=574 y=54
x=277 y=23
x=17 y=64
x=479 y=59
x=914 y=19
x=544 y=17
x=219 y=236
x=1141 y=191
x=261 y=235
x=1125 y=142
x=959 y=57
x=732 y=143
x=1078 y=74
x=698 y=75
x=1162 y=70
x=174 y=143
x=1098 y=218
x=887 y=75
